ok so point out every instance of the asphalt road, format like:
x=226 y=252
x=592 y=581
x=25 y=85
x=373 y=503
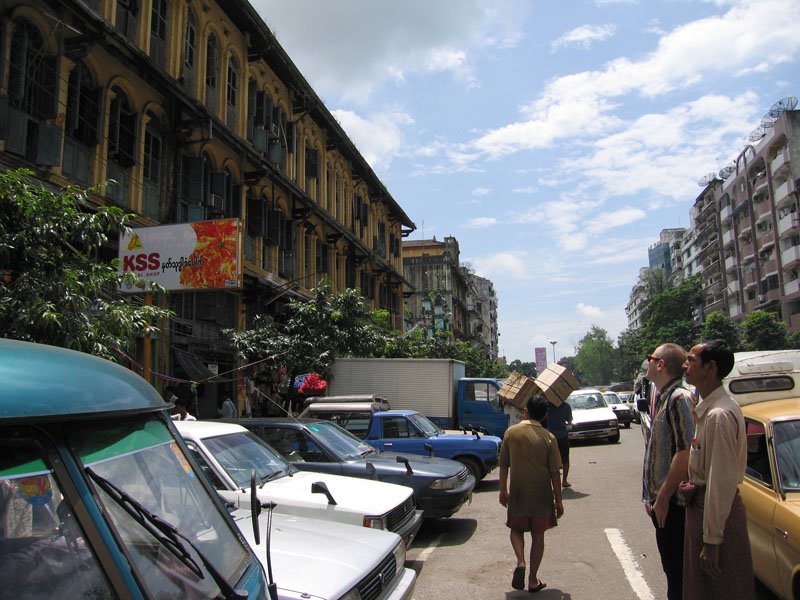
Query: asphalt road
x=603 y=548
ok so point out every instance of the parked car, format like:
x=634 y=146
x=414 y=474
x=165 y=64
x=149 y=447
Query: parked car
x=441 y=486
x=229 y=453
x=347 y=561
x=591 y=416
x=766 y=385
x=622 y=410
x=629 y=398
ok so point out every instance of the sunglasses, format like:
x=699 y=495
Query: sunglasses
x=650 y=357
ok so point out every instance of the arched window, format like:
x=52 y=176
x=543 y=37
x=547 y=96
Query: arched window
x=151 y=169
x=158 y=32
x=121 y=146
x=81 y=123
x=189 y=62
x=232 y=195
x=212 y=75
x=232 y=92
x=32 y=97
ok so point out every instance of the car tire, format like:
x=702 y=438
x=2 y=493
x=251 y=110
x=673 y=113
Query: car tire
x=472 y=466
x=614 y=439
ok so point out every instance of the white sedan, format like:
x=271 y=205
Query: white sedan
x=591 y=416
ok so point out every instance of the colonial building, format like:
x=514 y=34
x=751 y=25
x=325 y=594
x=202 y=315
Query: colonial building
x=482 y=315
x=182 y=112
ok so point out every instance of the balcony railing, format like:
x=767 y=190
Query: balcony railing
x=780 y=161
x=790 y=287
x=783 y=193
x=790 y=256
x=787 y=225
x=730 y=263
x=726 y=213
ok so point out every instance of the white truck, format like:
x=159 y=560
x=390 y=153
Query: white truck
x=436 y=388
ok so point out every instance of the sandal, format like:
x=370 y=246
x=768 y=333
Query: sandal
x=518 y=580
x=538 y=588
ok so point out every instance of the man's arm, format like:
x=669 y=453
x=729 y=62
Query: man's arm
x=504 y=486
x=678 y=471
x=555 y=481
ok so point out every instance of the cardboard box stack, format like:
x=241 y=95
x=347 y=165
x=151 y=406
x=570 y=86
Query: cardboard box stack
x=556 y=383
x=517 y=389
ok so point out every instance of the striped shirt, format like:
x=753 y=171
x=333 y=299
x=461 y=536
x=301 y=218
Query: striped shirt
x=671 y=430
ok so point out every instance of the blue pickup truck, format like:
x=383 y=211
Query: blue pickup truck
x=409 y=432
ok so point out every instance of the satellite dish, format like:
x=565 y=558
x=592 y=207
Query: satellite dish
x=757 y=134
x=727 y=171
x=706 y=179
x=781 y=106
x=767 y=123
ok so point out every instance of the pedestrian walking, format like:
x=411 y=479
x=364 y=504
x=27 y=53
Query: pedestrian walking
x=559 y=422
x=717 y=561
x=666 y=459
x=533 y=498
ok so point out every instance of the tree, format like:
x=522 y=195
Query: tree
x=526 y=368
x=595 y=357
x=53 y=287
x=719 y=326
x=763 y=330
x=630 y=354
x=568 y=362
x=669 y=317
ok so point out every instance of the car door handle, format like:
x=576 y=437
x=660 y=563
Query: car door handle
x=387 y=444
x=782 y=532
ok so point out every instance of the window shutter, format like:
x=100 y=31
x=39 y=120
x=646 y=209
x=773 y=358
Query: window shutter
x=93 y=117
x=236 y=204
x=289 y=239
x=48 y=145
x=127 y=139
x=195 y=176
x=257 y=108
x=364 y=213
x=273 y=227
x=260 y=139
x=47 y=98
x=291 y=135
x=218 y=183
x=252 y=102
x=3 y=116
x=17 y=132
x=277 y=115
x=275 y=154
x=255 y=216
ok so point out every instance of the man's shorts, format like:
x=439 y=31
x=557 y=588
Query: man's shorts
x=563 y=449
x=532 y=524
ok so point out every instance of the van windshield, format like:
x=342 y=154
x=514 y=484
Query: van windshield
x=43 y=551
x=141 y=458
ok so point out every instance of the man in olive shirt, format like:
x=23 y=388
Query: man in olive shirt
x=533 y=499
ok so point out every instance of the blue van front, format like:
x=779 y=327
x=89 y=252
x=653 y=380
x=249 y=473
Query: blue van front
x=97 y=496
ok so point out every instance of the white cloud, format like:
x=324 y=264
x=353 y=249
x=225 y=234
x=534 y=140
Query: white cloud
x=584 y=36
x=525 y=190
x=505 y=264
x=587 y=310
x=481 y=191
x=481 y=222
x=378 y=137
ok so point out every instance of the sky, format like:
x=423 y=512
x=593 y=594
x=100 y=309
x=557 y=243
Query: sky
x=553 y=140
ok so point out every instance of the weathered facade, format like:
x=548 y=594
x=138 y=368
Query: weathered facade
x=194 y=112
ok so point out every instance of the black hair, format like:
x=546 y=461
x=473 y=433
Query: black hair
x=720 y=353
x=537 y=408
x=181 y=401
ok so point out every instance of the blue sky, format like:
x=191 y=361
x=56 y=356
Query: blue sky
x=554 y=140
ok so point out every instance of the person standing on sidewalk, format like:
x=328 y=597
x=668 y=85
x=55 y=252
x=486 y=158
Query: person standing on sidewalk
x=717 y=560
x=559 y=422
x=666 y=459
x=533 y=500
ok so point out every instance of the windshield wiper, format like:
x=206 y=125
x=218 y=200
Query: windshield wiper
x=269 y=477
x=166 y=534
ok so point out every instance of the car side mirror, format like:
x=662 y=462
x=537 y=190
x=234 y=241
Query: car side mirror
x=320 y=487
x=642 y=405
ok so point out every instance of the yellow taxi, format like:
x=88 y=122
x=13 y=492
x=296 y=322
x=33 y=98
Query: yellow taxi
x=766 y=385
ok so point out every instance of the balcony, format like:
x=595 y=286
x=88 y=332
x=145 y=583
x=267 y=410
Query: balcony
x=783 y=193
x=730 y=263
x=735 y=310
x=790 y=257
x=791 y=287
x=787 y=225
x=726 y=213
x=728 y=238
x=779 y=162
x=733 y=287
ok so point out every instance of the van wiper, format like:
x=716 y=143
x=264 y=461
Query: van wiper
x=269 y=477
x=166 y=534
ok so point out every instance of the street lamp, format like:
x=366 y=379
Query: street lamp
x=553 y=343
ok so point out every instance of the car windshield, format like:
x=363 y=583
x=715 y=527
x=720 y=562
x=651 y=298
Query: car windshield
x=142 y=460
x=786 y=436
x=241 y=452
x=586 y=401
x=425 y=425
x=612 y=398
x=342 y=443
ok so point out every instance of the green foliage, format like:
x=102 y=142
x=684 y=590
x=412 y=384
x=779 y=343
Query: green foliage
x=526 y=368
x=595 y=357
x=630 y=354
x=53 y=288
x=762 y=330
x=719 y=326
x=568 y=362
x=669 y=317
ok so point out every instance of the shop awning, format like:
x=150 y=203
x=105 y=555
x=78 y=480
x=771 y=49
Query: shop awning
x=194 y=367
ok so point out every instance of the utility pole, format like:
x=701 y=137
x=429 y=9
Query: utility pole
x=553 y=343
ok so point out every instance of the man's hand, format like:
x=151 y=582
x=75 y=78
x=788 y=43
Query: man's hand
x=660 y=509
x=559 y=509
x=648 y=508
x=504 y=498
x=709 y=560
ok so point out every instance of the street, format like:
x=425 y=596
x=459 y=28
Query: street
x=603 y=547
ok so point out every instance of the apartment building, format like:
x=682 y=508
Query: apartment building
x=188 y=112
x=482 y=330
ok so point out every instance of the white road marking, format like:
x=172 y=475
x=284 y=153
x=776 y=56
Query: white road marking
x=629 y=564
x=423 y=556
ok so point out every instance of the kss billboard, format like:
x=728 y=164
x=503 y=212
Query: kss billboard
x=185 y=256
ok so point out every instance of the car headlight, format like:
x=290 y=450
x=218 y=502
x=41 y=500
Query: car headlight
x=351 y=595
x=612 y=423
x=375 y=522
x=448 y=483
x=400 y=556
